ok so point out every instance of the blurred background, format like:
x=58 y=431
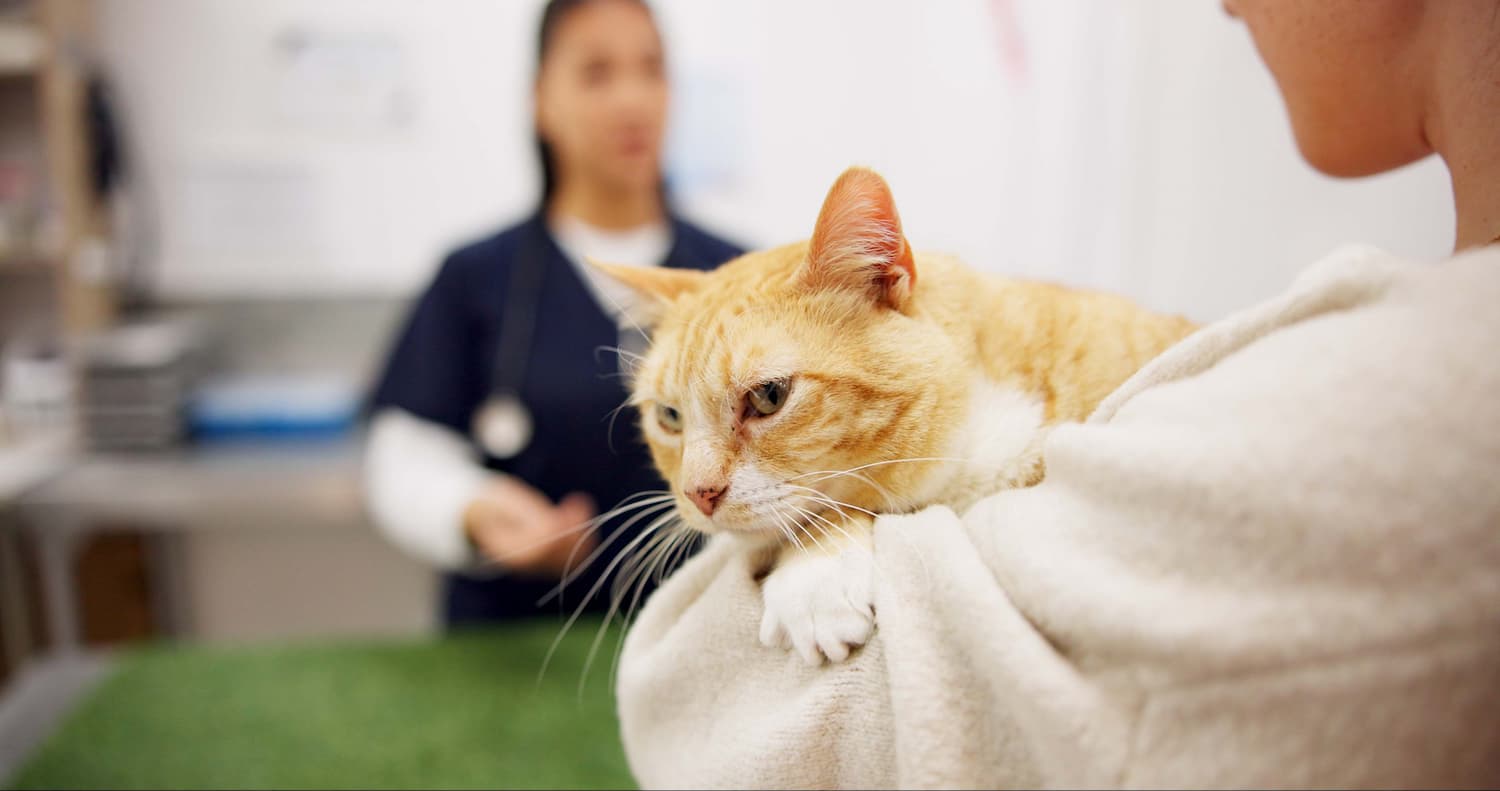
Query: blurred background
x=215 y=213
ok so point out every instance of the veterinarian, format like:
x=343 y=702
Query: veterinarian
x=489 y=446
x=1271 y=558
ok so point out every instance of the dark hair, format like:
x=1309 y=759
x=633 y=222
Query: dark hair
x=552 y=15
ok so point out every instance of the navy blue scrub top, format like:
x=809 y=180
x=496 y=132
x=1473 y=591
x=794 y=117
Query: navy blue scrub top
x=441 y=369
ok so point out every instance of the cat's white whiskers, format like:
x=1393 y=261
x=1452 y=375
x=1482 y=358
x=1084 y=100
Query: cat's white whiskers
x=499 y=559
x=812 y=514
x=614 y=415
x=679 y=544
x=631 y=357
x=571 y=573
x=662 y=527
x=807 y=527
x=807 y=532
x=638 y=562
x=853 y=542
x=632 y=501
x=781 y=526
x=585 y=525
x=785 y=527
x=821 y=497
x=664 y=537
x=913 y=460
x=891 y=499
x=647 y=507
x=650 y=559
x=810 y=518
x=603 y=577
x=687 y=538
x=901 y=535
x=792 y=539
x=629 y=363
x=824 y=497
x=621 y=312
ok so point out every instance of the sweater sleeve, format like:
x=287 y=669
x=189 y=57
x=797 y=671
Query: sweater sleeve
x=419 y=476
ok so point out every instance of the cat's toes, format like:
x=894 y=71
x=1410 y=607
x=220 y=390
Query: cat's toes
x=820 y=605
x=772 y=632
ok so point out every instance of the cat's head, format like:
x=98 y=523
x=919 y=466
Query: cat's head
x=787 y=380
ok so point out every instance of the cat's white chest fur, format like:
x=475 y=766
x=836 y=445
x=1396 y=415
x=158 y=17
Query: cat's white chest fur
x=998 y=446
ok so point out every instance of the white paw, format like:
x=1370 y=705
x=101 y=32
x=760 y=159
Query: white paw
x=821 y=605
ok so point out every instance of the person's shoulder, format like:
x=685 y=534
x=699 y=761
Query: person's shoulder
x=1436 y=308
x=485 y=256
x=1358 y=274
x=1464 y=287
x=706 y=249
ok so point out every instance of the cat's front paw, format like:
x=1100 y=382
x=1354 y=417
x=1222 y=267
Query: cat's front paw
x=820 y=604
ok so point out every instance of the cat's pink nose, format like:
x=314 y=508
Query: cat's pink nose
x=707 y=497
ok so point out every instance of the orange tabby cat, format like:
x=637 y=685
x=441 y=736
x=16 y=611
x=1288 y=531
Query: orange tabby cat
x=792 y=394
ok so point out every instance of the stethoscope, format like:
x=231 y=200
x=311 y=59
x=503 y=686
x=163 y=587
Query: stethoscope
x=502 y=425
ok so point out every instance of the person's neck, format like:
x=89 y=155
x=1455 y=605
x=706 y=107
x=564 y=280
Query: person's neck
x=1469 y=147
x=604 y=207
x=1464 y=128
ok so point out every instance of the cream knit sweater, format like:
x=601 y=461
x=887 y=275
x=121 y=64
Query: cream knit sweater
x=1270 y=558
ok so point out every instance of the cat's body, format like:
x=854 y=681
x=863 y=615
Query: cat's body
x=1041 y=355
x=793 y=393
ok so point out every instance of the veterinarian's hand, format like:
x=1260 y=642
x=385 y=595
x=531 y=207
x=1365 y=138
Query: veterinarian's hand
x=516 y=526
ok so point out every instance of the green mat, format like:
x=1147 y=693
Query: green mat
x=463 y=711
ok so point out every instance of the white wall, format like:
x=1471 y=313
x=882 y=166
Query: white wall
x=1222 y=210
x=252 y=202
x=1139 y=147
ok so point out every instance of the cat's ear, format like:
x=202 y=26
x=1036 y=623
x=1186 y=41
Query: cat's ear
x=858 y=241
x=648 y=290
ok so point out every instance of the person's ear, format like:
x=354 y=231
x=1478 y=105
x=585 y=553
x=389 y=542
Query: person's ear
x=650 y=290
x=858 y=244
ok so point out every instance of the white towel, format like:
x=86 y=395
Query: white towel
x=1272 y=558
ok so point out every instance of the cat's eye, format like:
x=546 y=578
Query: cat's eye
x=767 y=398
x=669 y=418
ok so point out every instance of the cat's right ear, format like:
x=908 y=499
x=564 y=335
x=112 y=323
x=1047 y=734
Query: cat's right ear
x=858 y=242
x=649 y=290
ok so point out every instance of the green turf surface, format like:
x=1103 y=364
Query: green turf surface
x=462 y=711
